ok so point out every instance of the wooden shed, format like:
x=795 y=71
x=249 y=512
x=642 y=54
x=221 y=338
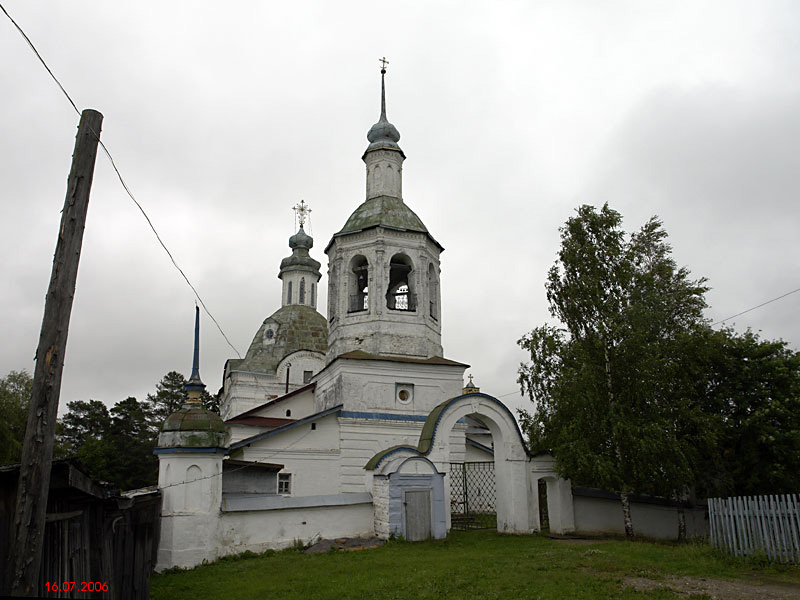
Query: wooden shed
x=93 y=534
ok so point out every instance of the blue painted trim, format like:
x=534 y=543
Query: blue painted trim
x=189 y=451
x=354 y=414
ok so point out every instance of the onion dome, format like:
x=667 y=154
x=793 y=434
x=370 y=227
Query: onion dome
x=301 y=240
x=300 y=260
x=383 y=135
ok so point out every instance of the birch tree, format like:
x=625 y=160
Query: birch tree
x=602 y=381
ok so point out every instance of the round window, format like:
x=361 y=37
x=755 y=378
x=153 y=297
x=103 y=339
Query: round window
x=269 y=333
x=403 y=395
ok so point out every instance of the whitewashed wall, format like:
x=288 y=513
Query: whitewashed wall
x=604 y=516
x=311 y=456
x=261 y=530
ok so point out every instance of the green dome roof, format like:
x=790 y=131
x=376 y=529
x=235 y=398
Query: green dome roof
x=384 y=211
x=296 y=327
x=193 y=418
x=193 y=427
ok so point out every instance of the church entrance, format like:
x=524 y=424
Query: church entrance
x=492 y=491
x=473 y=496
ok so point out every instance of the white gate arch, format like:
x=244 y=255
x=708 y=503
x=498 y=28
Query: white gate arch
x=517 y=471
x=511 y=457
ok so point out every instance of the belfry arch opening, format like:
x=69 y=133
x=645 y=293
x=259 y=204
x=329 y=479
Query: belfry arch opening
x=359 y=284
x=400 y=294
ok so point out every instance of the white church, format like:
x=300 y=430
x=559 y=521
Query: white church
x=354 y=424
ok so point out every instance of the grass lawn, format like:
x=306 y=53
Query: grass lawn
x=484 y=564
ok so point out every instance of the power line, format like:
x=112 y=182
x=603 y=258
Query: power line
x=122 y=181
x=759 y=306
x=39 y=56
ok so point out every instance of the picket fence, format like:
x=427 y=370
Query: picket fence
x=757 y=524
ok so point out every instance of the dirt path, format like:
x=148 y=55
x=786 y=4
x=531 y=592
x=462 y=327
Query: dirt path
x=719 y=589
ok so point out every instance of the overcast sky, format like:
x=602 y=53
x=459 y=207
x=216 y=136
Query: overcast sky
x=221 y=117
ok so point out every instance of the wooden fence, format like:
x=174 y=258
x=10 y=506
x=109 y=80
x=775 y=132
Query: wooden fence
x=757 y=524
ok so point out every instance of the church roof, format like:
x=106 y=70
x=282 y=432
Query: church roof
x=252 y=412
x=300 y=327
x=260 y=421
x=383 y=211
x=266 y=434
x=433 y=360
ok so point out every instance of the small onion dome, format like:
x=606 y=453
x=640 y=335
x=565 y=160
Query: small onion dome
x=193 y=427
x=301 y=240
x=383 y=134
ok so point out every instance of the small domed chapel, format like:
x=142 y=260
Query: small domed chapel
x=354 y=423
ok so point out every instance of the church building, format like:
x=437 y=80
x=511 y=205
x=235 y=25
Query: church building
x=346 y=424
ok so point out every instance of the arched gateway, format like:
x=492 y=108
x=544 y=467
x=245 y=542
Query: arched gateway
x=516 y=470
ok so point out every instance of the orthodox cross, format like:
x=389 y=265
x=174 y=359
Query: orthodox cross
x=301 y=211
x=383 y=62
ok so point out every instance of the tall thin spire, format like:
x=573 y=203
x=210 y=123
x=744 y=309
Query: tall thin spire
x=195 y=384
x=383 y=62
x=383 y=135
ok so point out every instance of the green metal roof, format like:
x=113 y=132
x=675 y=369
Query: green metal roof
x=384 y=211
x=300 y=327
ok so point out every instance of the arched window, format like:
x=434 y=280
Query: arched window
x=313 y=295
x=359 y=290
x=289 y=293
x=399 y=295
x=302 y=299
x=433 y=290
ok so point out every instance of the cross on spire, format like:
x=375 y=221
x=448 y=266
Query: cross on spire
x=383 y=62
x=301 y=212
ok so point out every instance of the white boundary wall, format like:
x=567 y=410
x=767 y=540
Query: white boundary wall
x=600 y=513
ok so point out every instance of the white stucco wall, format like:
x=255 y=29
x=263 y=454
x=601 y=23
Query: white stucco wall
x=380 y=501
x=245 y=390
x=604 y=516
x=191 y=487
x=361 y=439
x=300 y=406
x=311 y=456
x=261 y=530
x=370 y=385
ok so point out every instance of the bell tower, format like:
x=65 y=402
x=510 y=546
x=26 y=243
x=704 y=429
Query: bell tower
x=383 y=273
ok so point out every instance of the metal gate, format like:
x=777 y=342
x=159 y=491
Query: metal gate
x=473 y=494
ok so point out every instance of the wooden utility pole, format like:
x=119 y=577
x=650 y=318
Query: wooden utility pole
x=37 y=449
